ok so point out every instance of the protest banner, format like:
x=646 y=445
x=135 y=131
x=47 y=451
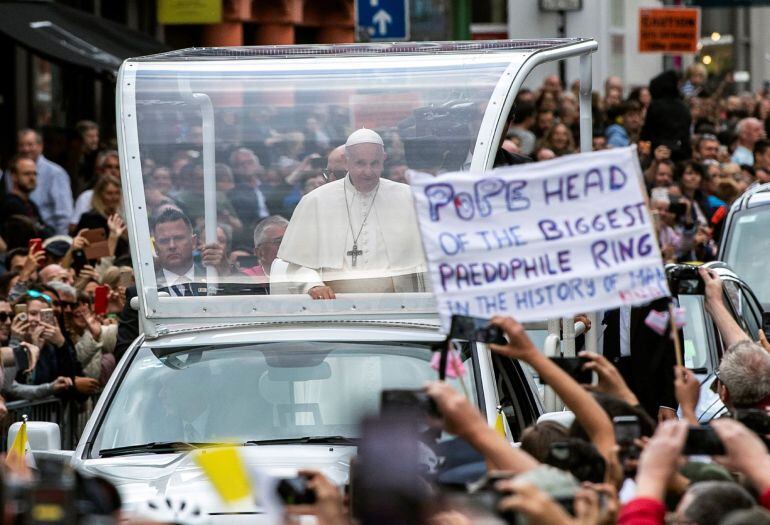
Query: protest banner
x=541 y=240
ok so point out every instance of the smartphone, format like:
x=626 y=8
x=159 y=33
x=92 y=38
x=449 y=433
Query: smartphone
x=47 y=316
x=703 y=441
x=574 y=367
x=294 y=491
x=399 y=401
x=766 y=324
x=475 y=329
x=100 y=299
x=79 y=260
x=20 y=309
x=35 y=245
x=627 y=431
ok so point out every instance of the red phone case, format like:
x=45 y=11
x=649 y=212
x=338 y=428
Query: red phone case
x=100 y=300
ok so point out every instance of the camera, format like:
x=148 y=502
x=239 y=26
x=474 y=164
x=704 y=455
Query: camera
x=294 y=491
x=439 y=136
x=475 y=329
x=685 y=280
x=408 y=402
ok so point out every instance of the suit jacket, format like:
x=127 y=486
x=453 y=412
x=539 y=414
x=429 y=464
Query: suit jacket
x=248 y=205
x=649 y=371
x=197 y=286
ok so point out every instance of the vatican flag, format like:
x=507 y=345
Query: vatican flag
x=499 y=423
x=17 y=453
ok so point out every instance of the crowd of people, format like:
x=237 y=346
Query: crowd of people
x=589 y=472
x=67 y=278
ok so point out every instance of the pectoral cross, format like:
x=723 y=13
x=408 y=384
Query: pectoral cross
x=354 y=253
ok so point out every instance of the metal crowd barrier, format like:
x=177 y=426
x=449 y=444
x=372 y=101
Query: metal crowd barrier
x=69 y=415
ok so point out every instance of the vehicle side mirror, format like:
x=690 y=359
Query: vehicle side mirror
x=41 y=435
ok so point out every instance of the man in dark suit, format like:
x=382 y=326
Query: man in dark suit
x=645 y=359
x=176 y=270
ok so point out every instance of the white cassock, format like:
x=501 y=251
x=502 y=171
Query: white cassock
x=320 y=236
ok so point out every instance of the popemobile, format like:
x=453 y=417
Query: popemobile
x=283 y=350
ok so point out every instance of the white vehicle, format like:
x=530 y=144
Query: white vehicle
x=238 y=358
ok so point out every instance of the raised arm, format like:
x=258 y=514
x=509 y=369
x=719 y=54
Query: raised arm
x=715 y=304
x=465 y=421
x=587 y=410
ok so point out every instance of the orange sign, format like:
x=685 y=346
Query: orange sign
x=669 y=30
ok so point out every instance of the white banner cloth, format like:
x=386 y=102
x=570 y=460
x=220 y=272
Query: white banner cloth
x=541 y=240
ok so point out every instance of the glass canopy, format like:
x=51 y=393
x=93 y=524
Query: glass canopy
x=241 y=184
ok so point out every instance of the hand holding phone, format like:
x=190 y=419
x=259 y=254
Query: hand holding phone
x=475 y=329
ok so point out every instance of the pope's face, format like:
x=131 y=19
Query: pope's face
x=365 y=164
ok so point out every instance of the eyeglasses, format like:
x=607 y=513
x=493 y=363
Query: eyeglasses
x=68 y=304
x=336 y=174
x=275 y=242
x=6 y=316
x=39 y=295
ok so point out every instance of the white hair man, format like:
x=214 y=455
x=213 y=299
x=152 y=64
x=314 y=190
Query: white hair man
x=357 y=234
x=750 y=131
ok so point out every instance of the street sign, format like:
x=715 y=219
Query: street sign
x=383 y=20
x=671 y=30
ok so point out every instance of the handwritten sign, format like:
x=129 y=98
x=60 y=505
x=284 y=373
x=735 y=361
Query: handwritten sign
x=669 y=30
x=540 y=240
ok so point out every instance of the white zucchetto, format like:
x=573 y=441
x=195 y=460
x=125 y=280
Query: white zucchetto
x=364 y=136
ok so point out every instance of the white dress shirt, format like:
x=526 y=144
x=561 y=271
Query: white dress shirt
x=173 y=279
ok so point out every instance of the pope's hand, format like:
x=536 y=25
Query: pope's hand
x=322 y=292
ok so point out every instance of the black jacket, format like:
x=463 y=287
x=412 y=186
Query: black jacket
x=650 y=370
x=668 y=117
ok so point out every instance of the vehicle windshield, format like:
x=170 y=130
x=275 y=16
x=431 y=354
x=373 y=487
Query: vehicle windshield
x=261 y=391
x=296 y=194
x=748 y=244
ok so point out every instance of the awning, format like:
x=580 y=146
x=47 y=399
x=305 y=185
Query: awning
x=69 y=36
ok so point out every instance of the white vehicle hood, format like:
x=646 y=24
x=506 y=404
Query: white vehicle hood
x=143 y=476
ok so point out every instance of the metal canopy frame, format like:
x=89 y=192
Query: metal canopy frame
x=157 y=312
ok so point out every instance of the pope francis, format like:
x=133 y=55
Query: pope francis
x=358 y=234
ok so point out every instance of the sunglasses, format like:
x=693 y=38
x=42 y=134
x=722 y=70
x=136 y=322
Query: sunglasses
x=39 y=295
x=6 y=316
x=67 y=304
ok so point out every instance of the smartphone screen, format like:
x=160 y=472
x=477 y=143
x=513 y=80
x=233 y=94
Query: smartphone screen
x=100 y=299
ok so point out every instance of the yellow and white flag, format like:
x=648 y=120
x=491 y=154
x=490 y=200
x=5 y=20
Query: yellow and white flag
x=16 y=460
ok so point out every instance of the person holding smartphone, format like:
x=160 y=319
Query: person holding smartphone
x=57 y=355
